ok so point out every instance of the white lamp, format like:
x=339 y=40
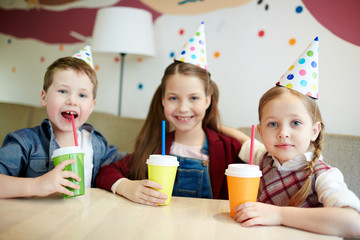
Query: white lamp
x=123 y=30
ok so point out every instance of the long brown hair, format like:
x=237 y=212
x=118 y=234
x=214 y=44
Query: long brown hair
x=314 y=113
x=149 y=139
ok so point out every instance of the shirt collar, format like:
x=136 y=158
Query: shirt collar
x=297 y=163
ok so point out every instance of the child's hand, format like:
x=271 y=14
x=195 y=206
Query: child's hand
x=141 y=191
x=256 y=213
x=55 y=180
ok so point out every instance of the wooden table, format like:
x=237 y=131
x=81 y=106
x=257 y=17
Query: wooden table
x=102 y=215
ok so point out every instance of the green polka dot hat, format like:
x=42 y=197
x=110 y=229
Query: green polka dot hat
x=85 y=55
x=303 y=75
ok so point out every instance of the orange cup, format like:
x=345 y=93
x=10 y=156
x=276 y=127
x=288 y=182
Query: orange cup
x=243 y=184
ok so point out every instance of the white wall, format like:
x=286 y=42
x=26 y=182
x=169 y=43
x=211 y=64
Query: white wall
x=248 y=65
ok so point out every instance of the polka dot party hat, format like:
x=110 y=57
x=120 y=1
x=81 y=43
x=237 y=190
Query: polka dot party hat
x=303 y=75
x=194 y=51
x=85 y=54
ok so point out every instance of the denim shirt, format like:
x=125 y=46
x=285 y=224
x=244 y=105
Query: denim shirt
x=27 y=152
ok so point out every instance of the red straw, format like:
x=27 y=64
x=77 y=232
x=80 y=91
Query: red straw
x=74 y=129
x=252 y=144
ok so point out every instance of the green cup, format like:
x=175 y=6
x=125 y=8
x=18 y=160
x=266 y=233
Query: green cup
x=65 y=153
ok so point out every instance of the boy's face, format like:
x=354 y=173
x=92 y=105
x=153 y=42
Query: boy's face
x=70 y=92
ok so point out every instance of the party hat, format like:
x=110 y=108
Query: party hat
x=194 y=51
x=303 y=75
x=85 y=54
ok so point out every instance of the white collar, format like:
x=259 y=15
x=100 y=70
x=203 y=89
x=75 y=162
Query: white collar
x=297 y=163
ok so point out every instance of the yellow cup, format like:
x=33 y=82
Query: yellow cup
x=243 y=184
x=162 y=169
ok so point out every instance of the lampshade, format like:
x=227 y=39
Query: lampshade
x=123 y=30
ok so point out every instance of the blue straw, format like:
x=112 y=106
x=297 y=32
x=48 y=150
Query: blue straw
x=163 y=138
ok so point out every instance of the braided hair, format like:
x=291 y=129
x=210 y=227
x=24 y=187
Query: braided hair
x=312 y=108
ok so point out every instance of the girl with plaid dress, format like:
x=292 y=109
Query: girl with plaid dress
x=298 y=189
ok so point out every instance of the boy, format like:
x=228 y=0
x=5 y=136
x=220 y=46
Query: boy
x=70 y=85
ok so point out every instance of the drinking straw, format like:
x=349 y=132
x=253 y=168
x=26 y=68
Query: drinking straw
x=74 y=129
x=163 y=138
x=252 y=144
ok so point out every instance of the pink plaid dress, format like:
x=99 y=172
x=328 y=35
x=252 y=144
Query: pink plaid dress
x=277 y=187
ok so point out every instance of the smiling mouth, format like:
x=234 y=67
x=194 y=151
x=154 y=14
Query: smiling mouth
x=67 y=115
x=183 y=118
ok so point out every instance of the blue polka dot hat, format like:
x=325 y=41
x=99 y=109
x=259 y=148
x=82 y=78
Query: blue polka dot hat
x=303 y=75
x=194 y=51
x=85 y=55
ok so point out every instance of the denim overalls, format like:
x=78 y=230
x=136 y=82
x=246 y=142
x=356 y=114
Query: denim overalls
x=192 y=177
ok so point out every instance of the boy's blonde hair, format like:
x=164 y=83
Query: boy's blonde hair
x=314 y=113
x=78 y=65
